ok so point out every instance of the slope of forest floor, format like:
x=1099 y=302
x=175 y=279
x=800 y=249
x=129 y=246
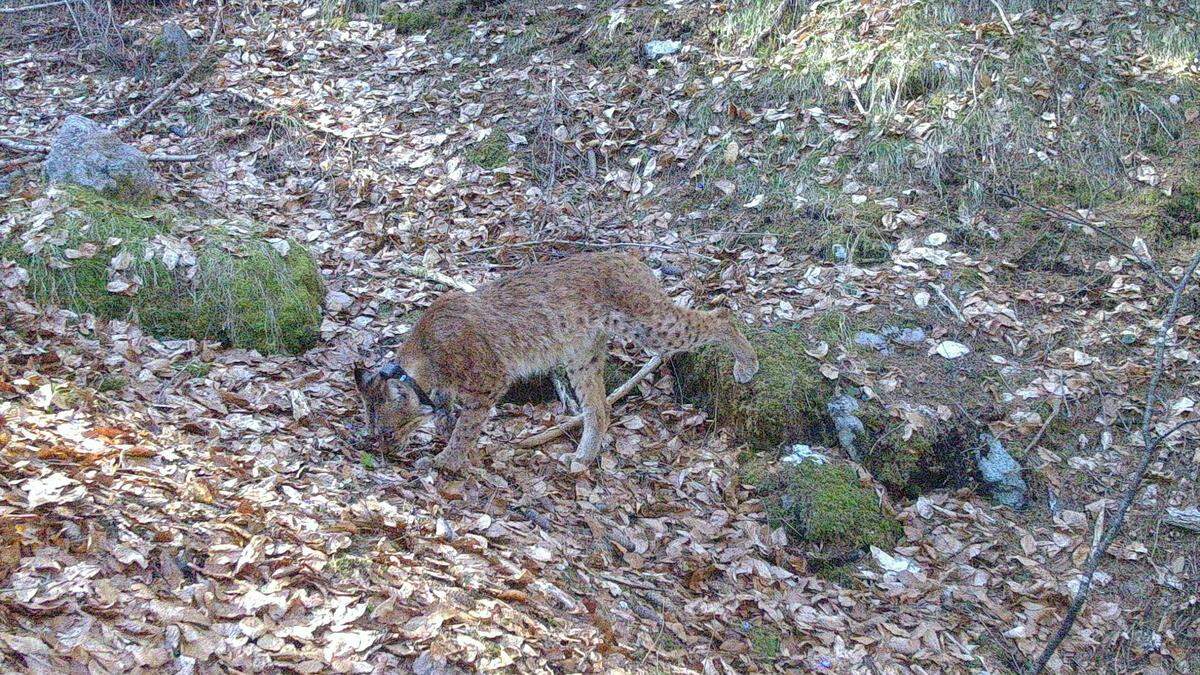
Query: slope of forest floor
x=842 y=166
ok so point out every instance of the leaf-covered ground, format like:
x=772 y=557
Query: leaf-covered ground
x=185 y=507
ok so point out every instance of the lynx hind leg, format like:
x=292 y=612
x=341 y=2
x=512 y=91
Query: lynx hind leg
x=587 y=379
x=745 y=359
x=664 y=327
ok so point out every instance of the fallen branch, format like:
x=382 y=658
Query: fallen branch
x=574 y=422
x=24 y=146
x=263 y=103
x=34 y=8
x=1045 y=425
x=1187 y=519
x=423 y=272
x=1152 y=444
x=1065 y=216
x=41 y=149
x=591 y=245
x=183 y=77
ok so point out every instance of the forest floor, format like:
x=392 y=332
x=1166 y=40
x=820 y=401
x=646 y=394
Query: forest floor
x=168 y=505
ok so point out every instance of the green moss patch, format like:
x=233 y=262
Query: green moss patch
x=823 y=506
x=406 y=23
x=784 y=402
x=491 y=152
x=120 y=261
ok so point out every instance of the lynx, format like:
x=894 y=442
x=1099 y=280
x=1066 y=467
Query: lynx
x=470 y=347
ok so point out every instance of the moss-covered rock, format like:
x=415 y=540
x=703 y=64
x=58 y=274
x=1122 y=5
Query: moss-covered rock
x=823 y=506
x=123 y=261
x=784 y=402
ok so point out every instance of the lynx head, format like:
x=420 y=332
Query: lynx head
x=393 y=409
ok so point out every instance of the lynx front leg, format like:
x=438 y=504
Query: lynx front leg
x=587 y=378
x=465 y=436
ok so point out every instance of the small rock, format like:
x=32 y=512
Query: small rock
x=909 y=337
x=1001 y=473
x=656 y=49
x=873 y=340
x=86 y=154
x=174 y=44
x=671 y=270
x=842 y=408
x=800 y=453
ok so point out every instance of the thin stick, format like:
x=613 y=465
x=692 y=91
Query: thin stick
x=24 y=146
x=1003 y=17
x=41 y=149
x=590 y=244
x=263 y=103
x=433 y=275
x=1152 y=445
x=1045 y=425
x=1076 y=220
x=33 y=8
x=171 y=88
x=574 y=422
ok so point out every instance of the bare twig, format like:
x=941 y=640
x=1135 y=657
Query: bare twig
x=590 y=245
x=1003 y=17
x=574 y=422
x=42 y=149
x=1149 y=453
x=140 y=116
x=1045 y=425
x=24 y=146
x=1068 y=217
x=264 y=103
x=34 y=8
x=772 y=23
x=439 y=277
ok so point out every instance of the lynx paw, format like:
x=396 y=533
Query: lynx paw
x=744 y=371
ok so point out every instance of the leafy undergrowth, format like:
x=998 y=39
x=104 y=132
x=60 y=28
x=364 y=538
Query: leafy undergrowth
x=171 y=505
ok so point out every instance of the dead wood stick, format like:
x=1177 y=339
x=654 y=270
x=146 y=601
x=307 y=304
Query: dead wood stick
x=423 y=272
x=24 y=146
x=34 y=8
x=592 y=245
x=772 y=23
x=1151 y=445
x=263 y=103
x=1187 y=519
x=42 y=149
x=574 y=422
x=1045 y=425
x=139 y=116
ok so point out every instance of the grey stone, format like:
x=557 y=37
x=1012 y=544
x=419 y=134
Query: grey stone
x=174 y=44
x=800 y=453
x=1001 y=473
x=873 y=340
x=656 y=49
x=86 y=154
x=848 y=427
x=910 y=337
